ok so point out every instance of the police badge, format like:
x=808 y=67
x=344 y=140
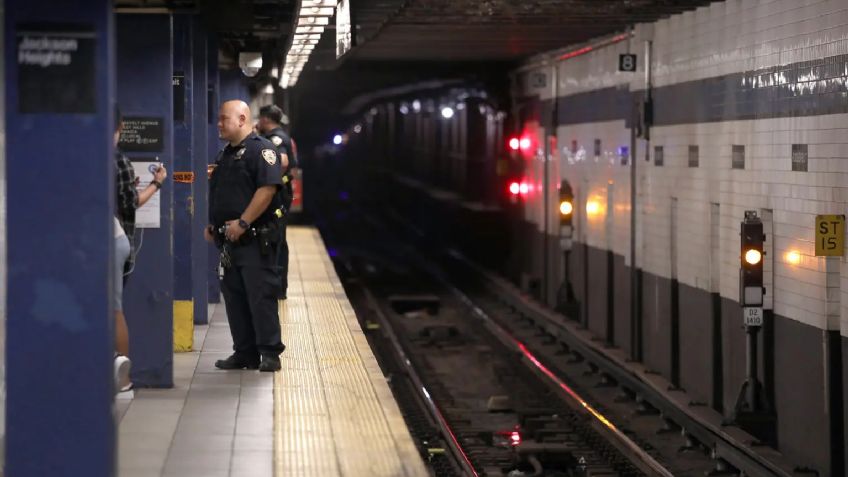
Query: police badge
x=269 y=156
x=276 y=140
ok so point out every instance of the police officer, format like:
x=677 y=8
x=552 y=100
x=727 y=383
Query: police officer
x=243 y=189
x=270 y=125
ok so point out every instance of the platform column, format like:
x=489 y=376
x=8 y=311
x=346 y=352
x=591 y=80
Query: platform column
x=214 y=145
x=184 y=86
x=145 y=93
x=199 y=160
x=59 y=100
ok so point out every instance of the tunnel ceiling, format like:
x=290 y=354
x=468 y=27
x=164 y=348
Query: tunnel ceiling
x=461 y=30
x=401 y=42
x=241 y=25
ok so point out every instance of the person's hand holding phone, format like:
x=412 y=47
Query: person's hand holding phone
x=161 y=174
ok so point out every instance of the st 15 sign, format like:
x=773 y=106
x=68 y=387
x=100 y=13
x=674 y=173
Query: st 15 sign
x=830 y=235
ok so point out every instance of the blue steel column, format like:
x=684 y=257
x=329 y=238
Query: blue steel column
x=233 y=86
x=213 y=97
x=60 y=173
x=199 y=160
x=144 y=89
x=183 y=150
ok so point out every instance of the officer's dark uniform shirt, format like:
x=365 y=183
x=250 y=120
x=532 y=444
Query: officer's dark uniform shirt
x=240 y=171
x=283 y=142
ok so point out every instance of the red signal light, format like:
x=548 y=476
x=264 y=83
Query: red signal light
x=514 y=144
x=514 y=188
x=524 y=144
x=524 y=188
x=515 y=438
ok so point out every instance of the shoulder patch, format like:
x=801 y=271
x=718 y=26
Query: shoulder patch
x=276 y=140
x=269 y=156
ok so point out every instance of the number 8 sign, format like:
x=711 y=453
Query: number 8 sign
x=627 y=62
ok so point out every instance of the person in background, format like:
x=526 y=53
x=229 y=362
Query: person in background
x=270 y=125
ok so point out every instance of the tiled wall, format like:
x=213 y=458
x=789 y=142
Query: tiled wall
x=782 y=67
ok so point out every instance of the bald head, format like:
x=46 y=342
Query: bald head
x=234 y=121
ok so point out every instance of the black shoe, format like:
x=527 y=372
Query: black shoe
x=237 y=362
x=281 y=295
x=270 y=363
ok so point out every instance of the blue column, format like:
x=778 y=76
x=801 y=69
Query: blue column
x=215 y=144
x=233 y=86
x=145 y=90
x=199 y=160
x=183 y=197
x=60 y=186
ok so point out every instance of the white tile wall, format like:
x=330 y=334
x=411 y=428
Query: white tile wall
x=727 y=37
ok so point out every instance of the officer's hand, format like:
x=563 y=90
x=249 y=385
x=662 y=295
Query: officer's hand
x=160 y=174
x=233 y=231
x=207 y=234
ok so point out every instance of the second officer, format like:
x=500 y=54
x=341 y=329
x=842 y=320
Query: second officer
x=270 y=126
x=243 y=189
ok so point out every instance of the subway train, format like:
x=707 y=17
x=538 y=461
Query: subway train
x=739 y=117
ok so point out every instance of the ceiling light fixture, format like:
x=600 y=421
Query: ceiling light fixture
x=312 y=18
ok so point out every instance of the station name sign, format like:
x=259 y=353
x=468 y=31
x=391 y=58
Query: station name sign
x=56 y=65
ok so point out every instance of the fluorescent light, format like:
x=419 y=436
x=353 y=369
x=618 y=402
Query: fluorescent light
x=318 y=3
x=317 y=11
x=310 y=29
x=312 y=17
x=313 y=21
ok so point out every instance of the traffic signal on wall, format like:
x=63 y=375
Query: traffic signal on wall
x=566 y=214
x=752 y=254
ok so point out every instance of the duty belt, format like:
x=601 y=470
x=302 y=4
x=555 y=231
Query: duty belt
x=266 y=236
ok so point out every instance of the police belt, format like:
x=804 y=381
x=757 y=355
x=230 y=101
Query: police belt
x=249 y=236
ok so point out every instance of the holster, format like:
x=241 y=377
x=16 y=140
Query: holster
x=268 y=236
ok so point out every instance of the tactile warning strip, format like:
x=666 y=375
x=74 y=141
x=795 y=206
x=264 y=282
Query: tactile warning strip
x=334 y=413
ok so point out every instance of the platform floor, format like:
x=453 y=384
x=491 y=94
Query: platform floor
x=328 y=412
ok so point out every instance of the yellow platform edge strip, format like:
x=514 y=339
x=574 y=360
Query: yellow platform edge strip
x=278 y=411
x=183 y=325
x=278 y=425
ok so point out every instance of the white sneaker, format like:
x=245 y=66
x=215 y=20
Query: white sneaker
x=122 y=373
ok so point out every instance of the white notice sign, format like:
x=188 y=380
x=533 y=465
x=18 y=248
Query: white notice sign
x=753 y=316
x=148 y=216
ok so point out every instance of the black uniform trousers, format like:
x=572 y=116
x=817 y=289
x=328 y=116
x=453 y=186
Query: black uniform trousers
x=250 y=292
x=283 y=261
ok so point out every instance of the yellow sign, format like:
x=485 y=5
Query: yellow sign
x=830 y=235
x=184 y=177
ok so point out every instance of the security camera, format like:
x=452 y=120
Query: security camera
x=250 y=63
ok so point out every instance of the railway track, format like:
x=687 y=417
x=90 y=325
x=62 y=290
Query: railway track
x=475 y=396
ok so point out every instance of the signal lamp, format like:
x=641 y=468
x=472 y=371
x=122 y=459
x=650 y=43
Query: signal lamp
x=753 y=257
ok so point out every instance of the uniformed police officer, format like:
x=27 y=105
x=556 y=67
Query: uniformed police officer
x=243 y=189
x=270 y=125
